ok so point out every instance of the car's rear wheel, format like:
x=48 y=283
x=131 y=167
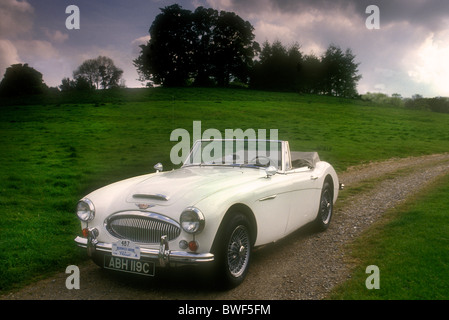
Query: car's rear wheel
x=234 y=251
x=326 y=208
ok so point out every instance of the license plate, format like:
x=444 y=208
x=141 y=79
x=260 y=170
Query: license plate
x=141 y=267
x=126 y=249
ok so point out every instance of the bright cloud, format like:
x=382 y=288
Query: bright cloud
x=431 y=63
x=8 y=55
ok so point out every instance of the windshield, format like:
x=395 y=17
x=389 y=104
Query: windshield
x=250 y=153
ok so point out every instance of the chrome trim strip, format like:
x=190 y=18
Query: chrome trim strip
x=169 y=255
x=157 y=196
x=268 y=198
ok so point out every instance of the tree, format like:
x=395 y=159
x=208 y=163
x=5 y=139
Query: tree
x=79 y=83
x=287 y=69
x=168 y=57
x=204 y=24
x=20 y=79
x=99 y=72
x=234 y=48
x=340 y=72
x=278 y=68
x=204 y=47
x=439 y=104
x=311 y=74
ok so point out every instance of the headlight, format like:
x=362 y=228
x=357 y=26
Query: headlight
x=85 y=210
x=192 y=220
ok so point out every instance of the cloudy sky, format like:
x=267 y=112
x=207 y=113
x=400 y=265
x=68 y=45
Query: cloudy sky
x=408 y=54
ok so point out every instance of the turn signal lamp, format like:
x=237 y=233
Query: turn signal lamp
x=193 y=246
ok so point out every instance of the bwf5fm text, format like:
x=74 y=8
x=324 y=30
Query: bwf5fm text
x=226 y=309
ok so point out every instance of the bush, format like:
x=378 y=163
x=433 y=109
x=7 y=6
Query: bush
x=21 y=80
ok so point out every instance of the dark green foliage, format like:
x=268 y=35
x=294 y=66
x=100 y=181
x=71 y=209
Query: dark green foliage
x=278 y=69
x=100 y=72
x=80 y=84
x=436 y=104
x=20 y=80
x=287 y=69
x=203 y=47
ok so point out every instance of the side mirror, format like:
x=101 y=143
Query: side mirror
x=271 y=171
x=159 y=167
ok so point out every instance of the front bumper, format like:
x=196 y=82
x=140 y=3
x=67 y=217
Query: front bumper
x=163 y=255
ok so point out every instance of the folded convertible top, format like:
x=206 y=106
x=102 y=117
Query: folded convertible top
x=303 y=159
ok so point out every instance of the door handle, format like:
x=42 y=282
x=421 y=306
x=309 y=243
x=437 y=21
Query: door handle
x=313 y=177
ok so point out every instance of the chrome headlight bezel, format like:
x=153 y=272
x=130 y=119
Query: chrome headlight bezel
x=192 y=220
x=85 y=210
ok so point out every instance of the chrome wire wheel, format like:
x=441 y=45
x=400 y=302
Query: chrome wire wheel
x=238 y=251
x=326 y=206
x=325 y=209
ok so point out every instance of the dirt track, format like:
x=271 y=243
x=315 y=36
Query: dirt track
x=305 y=265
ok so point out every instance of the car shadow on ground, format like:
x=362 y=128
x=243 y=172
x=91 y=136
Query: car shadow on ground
x=181 y=279
x=194 y=281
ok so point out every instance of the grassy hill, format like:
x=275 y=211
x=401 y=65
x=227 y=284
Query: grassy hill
x=58 y=149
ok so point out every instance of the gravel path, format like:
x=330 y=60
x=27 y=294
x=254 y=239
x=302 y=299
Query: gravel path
x=305 y=265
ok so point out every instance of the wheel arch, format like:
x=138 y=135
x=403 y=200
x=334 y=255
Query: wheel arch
x=330 y=180
x=237 y=208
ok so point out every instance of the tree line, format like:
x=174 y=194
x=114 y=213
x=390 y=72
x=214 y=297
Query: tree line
x=206 y=47
x=211 y=48
x=99 y=73
x=416 y=102
x=283 y=68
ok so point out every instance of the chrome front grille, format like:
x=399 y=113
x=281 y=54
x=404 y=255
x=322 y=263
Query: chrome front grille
x=142 y=227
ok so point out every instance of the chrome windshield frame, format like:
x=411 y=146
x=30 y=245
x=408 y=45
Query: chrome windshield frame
x=281 y=166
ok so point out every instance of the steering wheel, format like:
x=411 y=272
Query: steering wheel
x=256 y=161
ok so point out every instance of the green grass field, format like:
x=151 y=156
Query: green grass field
x=55 y=152
x=409 y=246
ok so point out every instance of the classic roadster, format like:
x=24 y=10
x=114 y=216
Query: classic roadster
x=228 y=197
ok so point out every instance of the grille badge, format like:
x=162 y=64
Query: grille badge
x=144 y=206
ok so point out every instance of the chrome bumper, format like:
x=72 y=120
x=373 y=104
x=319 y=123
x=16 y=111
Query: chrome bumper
x=163 y=255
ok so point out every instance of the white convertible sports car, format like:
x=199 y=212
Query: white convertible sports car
x=228 y=197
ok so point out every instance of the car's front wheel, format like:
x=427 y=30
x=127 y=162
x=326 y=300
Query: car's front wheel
x=234 y=251
x=325 y=211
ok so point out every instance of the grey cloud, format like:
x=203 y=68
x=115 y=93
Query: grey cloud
x=15 y=18
x=431 y=14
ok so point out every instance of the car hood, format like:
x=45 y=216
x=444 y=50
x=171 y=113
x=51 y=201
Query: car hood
x=190 y=184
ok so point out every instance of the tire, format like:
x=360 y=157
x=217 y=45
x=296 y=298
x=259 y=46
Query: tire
x=326 y=208
x=233 y=251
